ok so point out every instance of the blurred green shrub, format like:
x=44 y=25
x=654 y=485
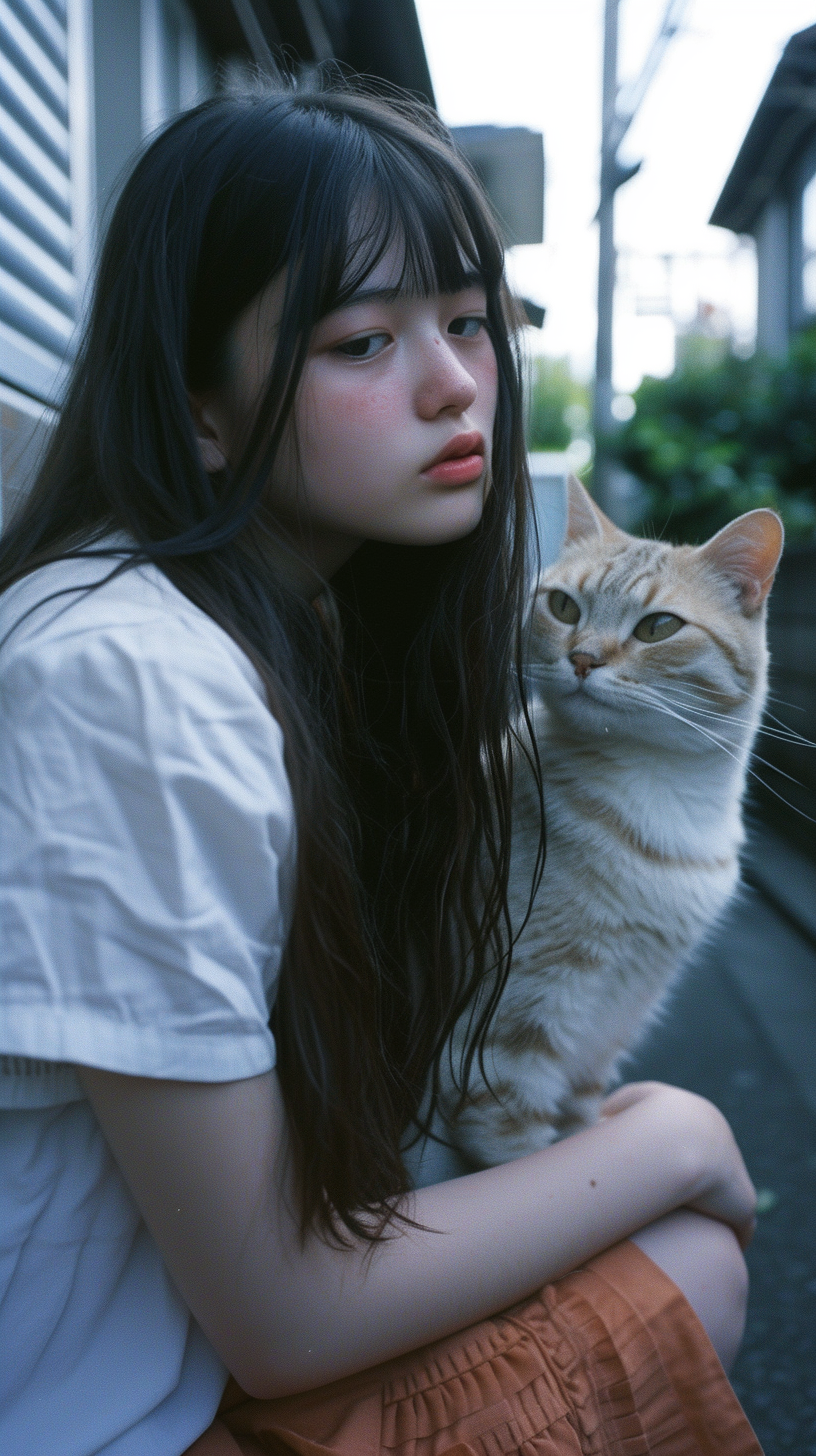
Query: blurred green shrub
x=723 y=435
x=559 y=405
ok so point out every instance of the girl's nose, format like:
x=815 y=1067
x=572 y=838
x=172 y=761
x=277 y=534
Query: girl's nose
x=444 y=383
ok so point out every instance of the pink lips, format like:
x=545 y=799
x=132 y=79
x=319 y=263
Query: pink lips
x=460 y=462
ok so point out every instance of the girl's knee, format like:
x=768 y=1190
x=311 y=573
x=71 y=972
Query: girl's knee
x=703 y=1258
x=725 y=1276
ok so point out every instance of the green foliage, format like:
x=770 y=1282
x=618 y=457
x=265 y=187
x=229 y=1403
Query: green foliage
x=723 y=435
x=559 y=405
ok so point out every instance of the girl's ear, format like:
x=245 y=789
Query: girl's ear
x=208 y=436
x=747 y=552
x=584 y=519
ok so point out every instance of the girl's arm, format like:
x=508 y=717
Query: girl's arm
x=206 y=1163
x=207 y=1166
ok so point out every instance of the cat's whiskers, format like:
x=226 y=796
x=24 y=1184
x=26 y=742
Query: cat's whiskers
x=784 y=702
x=641 y=695
x=798 y=737
x=712 y=694
x=784 y=735
x=649 y=697
x=798 y=706
x=652 y=695
x=539 y=669
x=690 y=698
x=694 y=693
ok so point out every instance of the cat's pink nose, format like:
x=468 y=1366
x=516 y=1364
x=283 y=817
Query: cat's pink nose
x=583 y=662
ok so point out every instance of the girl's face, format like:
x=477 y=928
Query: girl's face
x=393 y=421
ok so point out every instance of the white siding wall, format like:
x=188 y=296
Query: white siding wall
x=38 y=286
x=82 y=82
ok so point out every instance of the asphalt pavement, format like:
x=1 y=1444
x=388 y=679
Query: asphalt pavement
x=741 y=1030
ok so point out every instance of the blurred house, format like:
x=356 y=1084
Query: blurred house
x=770 y=193
x=84 y=82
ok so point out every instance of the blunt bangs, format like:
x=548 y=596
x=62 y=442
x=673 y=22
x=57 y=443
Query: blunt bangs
x=431 y=213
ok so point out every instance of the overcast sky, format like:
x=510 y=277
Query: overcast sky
x=537 y=63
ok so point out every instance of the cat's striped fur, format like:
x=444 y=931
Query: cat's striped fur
x=644 y=748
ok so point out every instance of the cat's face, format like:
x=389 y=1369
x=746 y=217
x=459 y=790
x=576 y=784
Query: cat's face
x=662 y=644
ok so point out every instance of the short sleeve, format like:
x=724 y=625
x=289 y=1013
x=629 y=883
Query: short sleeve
x=147 y=842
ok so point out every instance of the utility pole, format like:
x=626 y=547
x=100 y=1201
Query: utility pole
x=602 y=400
x=617 y=114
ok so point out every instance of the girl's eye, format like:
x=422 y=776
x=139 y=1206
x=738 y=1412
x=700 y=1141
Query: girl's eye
x=467 y=327
x=563 y=608
x=657 y=626
x=366 y=346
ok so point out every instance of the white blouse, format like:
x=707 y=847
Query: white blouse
x=146 y=869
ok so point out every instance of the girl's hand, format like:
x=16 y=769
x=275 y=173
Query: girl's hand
x=724 y=1189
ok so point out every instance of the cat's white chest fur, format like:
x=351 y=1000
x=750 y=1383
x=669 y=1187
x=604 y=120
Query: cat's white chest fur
x=639 y=866
x=651 y=663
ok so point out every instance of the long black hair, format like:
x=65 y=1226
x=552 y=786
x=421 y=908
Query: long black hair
x=395 y=726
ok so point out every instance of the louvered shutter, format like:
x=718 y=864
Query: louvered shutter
x=37 y=284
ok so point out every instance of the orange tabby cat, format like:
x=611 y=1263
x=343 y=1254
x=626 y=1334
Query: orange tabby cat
x=650 y=662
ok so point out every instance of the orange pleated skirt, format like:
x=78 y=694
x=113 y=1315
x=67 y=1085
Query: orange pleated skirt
x=609 y=1361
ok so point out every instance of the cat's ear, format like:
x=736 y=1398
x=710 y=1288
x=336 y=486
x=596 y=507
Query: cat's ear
x=584 y=519
x=747 y=552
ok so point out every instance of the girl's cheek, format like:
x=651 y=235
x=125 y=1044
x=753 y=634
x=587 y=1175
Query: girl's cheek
x=366 y=404
x=357 y=410
x=488 y=378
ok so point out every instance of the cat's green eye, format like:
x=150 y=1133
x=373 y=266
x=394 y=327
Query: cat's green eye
x=657 y=627
x=563 y=608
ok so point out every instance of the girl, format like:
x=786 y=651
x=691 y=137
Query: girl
x=228 y=796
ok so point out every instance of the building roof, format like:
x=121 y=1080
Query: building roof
x=784 y=123
x=379 y=38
